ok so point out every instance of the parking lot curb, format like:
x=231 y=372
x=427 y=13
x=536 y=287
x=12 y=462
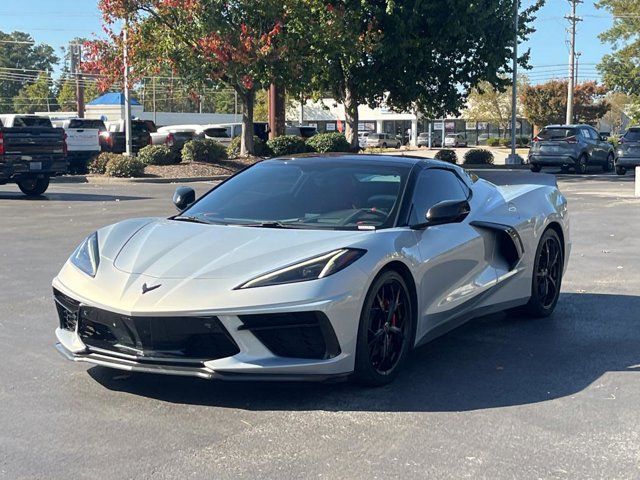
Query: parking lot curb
x=101 y=180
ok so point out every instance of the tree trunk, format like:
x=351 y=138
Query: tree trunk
x=351 y=118
x=246 y=142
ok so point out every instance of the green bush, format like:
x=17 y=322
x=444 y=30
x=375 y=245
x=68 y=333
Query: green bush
x=287 y=145
x=493 y=141
x=158 y=155
x=446 y=155
x=615 y=141
x=523 y=141
x=123 y=166
x=328 y=142
x=205 y=151
x=260 y=147
x=99 y=164
x=478 y=156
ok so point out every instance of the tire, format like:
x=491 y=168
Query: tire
x=33 y=187
x=564 y=168
x=546 y=280
x=384 y=145
x=535 y=167
x=621 y=170
x=581 y=166
x=384 y=343
x=608 y=166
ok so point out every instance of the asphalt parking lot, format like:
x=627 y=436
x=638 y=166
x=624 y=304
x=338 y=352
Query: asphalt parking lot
x=498 y=398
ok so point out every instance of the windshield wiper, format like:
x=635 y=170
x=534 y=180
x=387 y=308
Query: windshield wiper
x=267 y=225
x=189 y=218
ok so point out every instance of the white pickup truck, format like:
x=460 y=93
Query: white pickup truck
x=83 y=140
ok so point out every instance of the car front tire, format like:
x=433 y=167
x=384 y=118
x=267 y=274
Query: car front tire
x=607 y=167
x=385 y=332
x=536 y=168
x=33 y=187
x=621 y=170
x=582 y=165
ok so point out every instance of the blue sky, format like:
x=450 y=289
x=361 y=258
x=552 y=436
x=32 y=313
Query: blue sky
x=57 y=21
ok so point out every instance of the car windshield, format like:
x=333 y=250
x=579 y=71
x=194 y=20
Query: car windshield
x=310 y=193
x=139 y=127
x=556 y=133
x=82 y=123
x=633 y=135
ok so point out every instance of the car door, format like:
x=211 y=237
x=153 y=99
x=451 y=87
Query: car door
x=591 y=145
x=602 y=145
x=453 y=269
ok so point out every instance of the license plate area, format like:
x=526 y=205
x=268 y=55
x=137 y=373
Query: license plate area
x=35 y=166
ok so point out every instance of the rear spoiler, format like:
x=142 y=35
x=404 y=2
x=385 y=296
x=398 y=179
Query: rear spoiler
x=515 y=177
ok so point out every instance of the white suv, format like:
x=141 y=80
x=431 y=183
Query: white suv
x=382 y=140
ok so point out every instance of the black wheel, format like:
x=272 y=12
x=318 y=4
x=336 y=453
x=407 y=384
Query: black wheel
x=385 y=333
x=607 y=167
x=384 y=145
x=33 y=187
x=536 y=167
x=547 y=276
x=564 y=168
x=621 y=170
x=581 y=165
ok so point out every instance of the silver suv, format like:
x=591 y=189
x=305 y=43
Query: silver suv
x=570 y=146
x=628 y=153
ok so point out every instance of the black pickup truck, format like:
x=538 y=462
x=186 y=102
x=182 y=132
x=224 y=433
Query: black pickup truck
x=113 y=140
x=31 y=152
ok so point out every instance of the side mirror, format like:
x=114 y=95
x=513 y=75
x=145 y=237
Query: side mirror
x=604 y=137
x=449 y=211
x=183 y=197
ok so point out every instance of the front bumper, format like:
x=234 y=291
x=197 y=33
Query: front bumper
x=257 y=357
x=552 y=160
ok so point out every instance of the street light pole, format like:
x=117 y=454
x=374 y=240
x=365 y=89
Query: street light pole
x=513 y=158
x=127 y=99
x=572 y=60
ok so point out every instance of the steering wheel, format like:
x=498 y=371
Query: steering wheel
x=364 y=211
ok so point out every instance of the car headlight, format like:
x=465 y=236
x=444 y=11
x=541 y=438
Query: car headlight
x=620 y=152
x=311 y=269
x=87 y=257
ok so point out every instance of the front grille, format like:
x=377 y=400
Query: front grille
x=67 y=310
x=202 y=338
x=295 y=335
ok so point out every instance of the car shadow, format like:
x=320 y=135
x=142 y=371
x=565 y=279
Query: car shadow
x=493 y=361
x=69 y=197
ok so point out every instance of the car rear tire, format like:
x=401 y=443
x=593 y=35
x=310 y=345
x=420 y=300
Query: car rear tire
x=607 y=167
x=536 y=168
x=582 y=165
x=385 y=332
x=564 y=168
x=621 y=170
x=546 y=281
x=33 y=187
x=384 y=145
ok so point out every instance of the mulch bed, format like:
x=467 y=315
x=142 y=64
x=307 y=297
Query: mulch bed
x=195 y=169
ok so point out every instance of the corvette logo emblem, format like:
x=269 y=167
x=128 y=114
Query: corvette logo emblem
x=146 y=288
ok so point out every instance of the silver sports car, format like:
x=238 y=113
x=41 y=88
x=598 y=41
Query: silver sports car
x=312 y=268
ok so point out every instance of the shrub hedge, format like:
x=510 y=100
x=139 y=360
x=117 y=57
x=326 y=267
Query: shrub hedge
x=287 y=145
x=123 y=166
x=493 y=141
x=328 y=142
x=205 y=151
x=446 y=155
x=260 y=147
x=99 y=164
x=158 y=155
x=478 y=156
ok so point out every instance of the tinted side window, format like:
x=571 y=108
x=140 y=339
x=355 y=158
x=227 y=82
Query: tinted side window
x=435 y=186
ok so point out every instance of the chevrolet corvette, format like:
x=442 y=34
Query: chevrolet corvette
x=312 y=268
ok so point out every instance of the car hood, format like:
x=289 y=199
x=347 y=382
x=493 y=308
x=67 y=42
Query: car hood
x=179 y=250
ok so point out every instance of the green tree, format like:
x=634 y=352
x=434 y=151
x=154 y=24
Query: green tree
x=621 y=69
x=487 y=103
x=66 y=96
x=417 y=56
x=546 y=103
x=37 y=96
x=20 y=62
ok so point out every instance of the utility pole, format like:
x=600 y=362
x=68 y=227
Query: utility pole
x=153 y=96
x=513 y=158
x=127 y=99
x=573 y=20
x=76 y=62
